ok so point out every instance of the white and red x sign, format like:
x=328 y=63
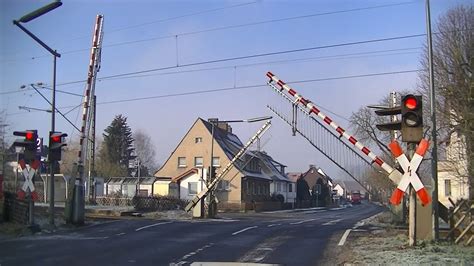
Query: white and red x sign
x=28 y=174
x=410 y=176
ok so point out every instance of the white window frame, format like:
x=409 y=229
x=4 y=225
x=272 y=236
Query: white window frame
x=179 y=163
x=447 y=187
x=196 y=161
x=189 y=188
x=216 y=161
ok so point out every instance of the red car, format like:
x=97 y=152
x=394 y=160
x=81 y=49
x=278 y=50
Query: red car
x=356 y=198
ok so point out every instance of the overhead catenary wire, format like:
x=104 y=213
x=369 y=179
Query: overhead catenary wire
x=340 y=56
x=244 y=87
x=253 y=56
x=221 y=28
x=145 y=24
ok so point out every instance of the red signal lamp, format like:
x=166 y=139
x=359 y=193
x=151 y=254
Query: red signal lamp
x=56 y=138
x=411 y=103
x=29 y=135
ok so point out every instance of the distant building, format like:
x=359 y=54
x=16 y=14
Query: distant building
x=340 y=189
x=453 y=179
x=243 y=185
x=315 y=187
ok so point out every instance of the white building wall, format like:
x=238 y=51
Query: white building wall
x=454 y=170
x=184 y=183
x=282 y=187
x=340 y=190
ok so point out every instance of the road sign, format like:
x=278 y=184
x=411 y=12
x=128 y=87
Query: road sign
x=28 y=174
x=410 y=176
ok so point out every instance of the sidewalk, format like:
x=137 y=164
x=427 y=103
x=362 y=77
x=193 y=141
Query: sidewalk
x=93 y=211
x=383 y=244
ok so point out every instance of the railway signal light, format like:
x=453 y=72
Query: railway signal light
x=56 y=142
x=384 y=111
x=412 y=118
x=29 y=142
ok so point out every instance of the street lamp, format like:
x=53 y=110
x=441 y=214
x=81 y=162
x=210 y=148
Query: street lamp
x=212 y=202
x=27 y=18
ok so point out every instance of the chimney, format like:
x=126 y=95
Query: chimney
x=222 y=125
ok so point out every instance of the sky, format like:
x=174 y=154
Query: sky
x=213 y=57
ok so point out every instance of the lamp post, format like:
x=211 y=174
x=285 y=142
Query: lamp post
x=27 y=18
x=212 y=202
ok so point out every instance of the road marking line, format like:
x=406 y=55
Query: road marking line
x=183 y=261
x=151 y=225
x=120 y=234
x=344 y=237
x=304 y=221
x=243 y=230
x=332 y=222
x=272 y=225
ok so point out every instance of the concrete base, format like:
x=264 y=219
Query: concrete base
x=198 y=210
x=424 y=222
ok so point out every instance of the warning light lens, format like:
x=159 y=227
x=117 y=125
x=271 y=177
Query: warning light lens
x=29 y=135
x=411 y=103
x=56 y=139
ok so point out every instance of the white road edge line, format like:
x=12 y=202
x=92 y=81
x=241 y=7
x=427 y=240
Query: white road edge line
x=243 y=230
x=304 y=221
x=120 y=234
x=151 y=225
x=344 y=237
x=272 y=225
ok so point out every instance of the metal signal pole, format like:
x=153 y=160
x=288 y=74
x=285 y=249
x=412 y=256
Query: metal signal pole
x=434 y=131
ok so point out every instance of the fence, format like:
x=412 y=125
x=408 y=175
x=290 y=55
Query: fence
x=156 y=203
x=461 y=221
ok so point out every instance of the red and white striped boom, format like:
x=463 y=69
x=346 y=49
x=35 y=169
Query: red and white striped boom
x=393 y=174
x=89 y=91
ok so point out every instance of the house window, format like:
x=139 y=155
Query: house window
x=198 y=140
x=216 y=161
x=198 y=162
x=223 y=185
x=192 y=188
x=248 y=187
x=181 y=161
x=290 y=187
x=278 y=186
x=254 y=188
x=447 y=188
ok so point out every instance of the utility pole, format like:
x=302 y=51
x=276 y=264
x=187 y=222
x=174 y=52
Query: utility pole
x=434 y=131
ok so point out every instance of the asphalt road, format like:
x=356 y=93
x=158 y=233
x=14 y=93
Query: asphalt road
x=296 y=237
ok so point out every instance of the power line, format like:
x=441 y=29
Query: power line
x=245 y=87
x=148 y=23
x=253 y=56
x=225 y=27
x=318 y=58
x=181 y=16
x=340 y=56
x=256 y=86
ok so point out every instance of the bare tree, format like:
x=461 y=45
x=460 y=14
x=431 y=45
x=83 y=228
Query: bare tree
x=453 y=61
x=145 y=151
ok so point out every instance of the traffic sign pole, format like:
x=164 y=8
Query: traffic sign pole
x=412 y=207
